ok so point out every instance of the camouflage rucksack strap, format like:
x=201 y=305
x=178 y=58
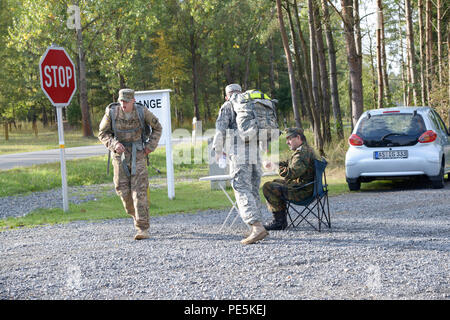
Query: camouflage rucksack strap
x=146 y=129
x=112 y=117
x=141 y=117
x=135 y=145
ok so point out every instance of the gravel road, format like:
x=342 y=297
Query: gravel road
x=383 y=245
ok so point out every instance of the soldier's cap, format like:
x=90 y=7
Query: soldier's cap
x=232 y=87
x=126 y=95
x=293 y=131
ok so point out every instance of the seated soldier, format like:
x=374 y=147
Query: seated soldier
x=297 y=171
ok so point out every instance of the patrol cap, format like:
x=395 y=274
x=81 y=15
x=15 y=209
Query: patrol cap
x=232 y=87
x=293 y=131
x=126 y=95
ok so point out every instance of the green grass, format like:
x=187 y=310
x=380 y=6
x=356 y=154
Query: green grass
x=110 y=207
x=25 y=140
x=92 y=171
x=84 y=172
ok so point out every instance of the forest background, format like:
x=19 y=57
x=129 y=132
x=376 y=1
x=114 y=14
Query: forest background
x=324 y=61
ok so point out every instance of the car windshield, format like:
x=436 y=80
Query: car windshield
x=391 y=129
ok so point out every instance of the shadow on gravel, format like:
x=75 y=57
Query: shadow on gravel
x=419 y=183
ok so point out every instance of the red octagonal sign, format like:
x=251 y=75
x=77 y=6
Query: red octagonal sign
x=57 y=76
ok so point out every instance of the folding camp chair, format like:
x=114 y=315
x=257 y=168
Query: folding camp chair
x=314 y=207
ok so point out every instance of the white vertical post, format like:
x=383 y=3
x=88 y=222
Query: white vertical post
x=169 y=160
x=62 y=158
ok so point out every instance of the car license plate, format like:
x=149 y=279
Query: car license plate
x=397 y=154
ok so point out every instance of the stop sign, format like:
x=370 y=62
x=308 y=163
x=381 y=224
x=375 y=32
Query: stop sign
x=57 y=76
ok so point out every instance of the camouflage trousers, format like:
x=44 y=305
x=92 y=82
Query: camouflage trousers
x=132 y=190
x=245 y=183
x=277 y=190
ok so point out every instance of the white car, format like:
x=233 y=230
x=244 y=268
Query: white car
x=398 y=142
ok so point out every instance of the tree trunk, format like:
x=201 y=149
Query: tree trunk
x=304 y=103
x=44 y=117
x=353 y=61
x=194 y=61
x=314 y=77
x=6 y=131
x=271 y=71
x=423 y=86
x=324 y=84
x=357 y=29
x=387 y=92
x=380 y=56
x=448 y=79
x=122 y=83
x=247 y=64
x=439 y=39
x=289 y=64
x=372 y=67
x=34 y=122
x=333 y=73
x=306 y=75
x=408 y=80
x=84 y=106
x=411 y=50
x=429 y=45
x=350 y=102
x=402 y=57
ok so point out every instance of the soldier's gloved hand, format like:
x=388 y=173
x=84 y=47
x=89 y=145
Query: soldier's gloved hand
x=119 y=148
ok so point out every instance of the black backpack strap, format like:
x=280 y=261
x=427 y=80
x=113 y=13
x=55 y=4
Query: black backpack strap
x=113 y=115
x=146 y=130
x=140 y=112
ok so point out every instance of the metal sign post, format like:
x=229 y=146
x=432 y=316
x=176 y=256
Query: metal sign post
x=62 y=158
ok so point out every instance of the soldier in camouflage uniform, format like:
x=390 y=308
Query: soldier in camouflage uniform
x=246 y=174
x=130 y=154
x=297 y=171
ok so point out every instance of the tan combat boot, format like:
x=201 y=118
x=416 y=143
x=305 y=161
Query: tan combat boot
x=141 y=234
x=258 y=233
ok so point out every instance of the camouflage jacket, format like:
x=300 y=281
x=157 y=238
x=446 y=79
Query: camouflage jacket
x=299 y=169
x=106 y=132
x=226 y=120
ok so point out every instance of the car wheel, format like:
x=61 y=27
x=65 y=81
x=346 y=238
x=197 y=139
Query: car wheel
x=438 y=182
x=354 y=186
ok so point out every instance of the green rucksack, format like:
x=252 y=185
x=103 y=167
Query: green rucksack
x=255 y=112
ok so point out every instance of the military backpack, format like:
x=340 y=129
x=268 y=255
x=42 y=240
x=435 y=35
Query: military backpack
x=255 y=115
